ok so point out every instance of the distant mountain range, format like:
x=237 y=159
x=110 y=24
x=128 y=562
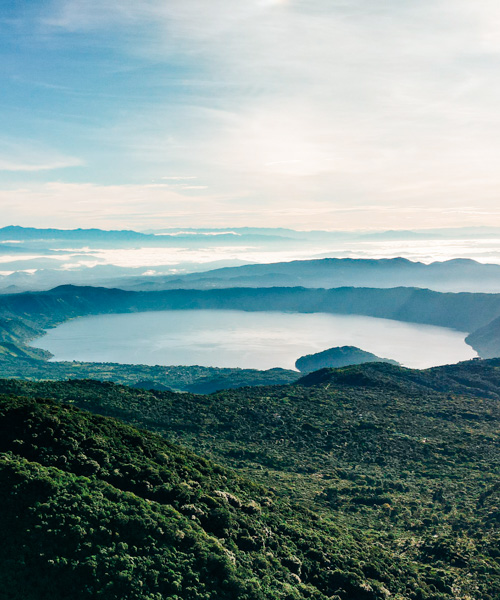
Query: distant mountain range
x=40 y=259
x=123 y=238
x=450 y=275
x=16 y=232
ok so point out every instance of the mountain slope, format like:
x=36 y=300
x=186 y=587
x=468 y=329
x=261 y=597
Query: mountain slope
x=94 y=508
x=486 y=340
x=405 y=462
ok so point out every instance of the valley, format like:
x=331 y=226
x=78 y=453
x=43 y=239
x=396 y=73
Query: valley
x=25 y=317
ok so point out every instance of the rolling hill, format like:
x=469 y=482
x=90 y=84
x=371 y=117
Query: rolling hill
x=337 y=357
x=372 y=482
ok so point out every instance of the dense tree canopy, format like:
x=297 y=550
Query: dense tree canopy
x=370 y=481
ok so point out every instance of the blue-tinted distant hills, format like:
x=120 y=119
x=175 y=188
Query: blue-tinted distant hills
x=15 y=232
x=451 y=275
x=125 y=238
x=40 y=259
x=236 y=235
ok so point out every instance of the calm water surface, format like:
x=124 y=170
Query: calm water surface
x=259 y=340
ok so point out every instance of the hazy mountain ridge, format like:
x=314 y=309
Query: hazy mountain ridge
x=451 y=275
x=17 y=233
x=40 y=259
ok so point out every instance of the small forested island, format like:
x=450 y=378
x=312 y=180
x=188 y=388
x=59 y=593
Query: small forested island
x=340 y=356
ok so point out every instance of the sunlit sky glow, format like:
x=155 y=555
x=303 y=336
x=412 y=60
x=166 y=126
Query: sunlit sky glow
x=328 y=114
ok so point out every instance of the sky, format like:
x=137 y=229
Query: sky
x=309 y=114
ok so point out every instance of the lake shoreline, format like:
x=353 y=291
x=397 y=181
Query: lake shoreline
x=246 y=339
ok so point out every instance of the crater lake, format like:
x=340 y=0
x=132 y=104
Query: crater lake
x=259 y=340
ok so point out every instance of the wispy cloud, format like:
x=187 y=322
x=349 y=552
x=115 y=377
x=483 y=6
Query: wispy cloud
x=288 y=109
x=60 y=204
x=8 y=165
x=32 y=156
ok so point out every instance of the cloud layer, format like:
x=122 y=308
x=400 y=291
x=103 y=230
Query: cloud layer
x=325 y=113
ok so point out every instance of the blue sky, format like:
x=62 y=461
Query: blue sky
x=328 y=114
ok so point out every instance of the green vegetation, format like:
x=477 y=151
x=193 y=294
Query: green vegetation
x=372 y=482
x=104 y=510
x=16 y=363
x=341 y=356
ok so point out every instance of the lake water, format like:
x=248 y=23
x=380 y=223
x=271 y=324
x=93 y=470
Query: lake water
x=258 y=340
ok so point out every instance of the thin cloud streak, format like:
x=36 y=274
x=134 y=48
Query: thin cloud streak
x=110 y=207
x=7 y=165
x=31 y=156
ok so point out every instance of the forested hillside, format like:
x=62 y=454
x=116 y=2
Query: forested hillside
x=341 y=356
x=93 y=508
x=24 y=362
x=394 y=470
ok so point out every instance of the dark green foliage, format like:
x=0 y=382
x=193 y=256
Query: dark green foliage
x=341 y=356
x=94 y=508
x=375 y=477
x=15 y=363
